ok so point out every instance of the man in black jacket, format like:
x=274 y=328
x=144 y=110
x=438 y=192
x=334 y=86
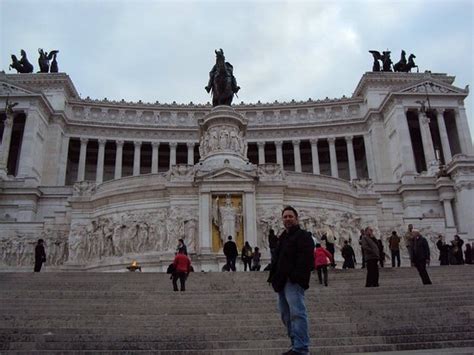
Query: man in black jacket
x=40 y=255
x=421 y=255
x=289 y=275
x=231 y=253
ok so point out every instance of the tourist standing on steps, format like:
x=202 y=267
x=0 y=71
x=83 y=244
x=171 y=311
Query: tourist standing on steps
x=330 y=242
x=421 y=256
x=362 y=233
x=443 y=251
x=372 y=257
x=231 y=253
x=40 y=255
x=182 y=268
x=394 y=246
x=408 y=241
x=468 y=254
x=247 y=256
x=381 y=252
x=256 y=260
x=289 y=275
x=349 y=256
x=322 y=259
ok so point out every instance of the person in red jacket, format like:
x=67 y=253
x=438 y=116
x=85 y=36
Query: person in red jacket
x=182 y=267
x=322 y=258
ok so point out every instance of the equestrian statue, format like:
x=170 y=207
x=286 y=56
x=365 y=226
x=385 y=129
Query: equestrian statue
x=222 y=81
x=22 y=65
x=403 y=65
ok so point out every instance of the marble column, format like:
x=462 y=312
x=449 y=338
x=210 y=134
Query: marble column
x=190 y=146
x=404 y=156
x=136 y=157
x=250 y=219
x=154 y=157
x=29 y=163
x=279 y=152
x=351 y=158
x=315 y=156
x=297 y=155
x=463 y=131
x=118 y=159
x=333 y=157
x=173 y=146
x=448 y=213
x=205 y=226
x=426 y=139
x=81 y=170
x=444 y=136
x=369 y=156
x=63 y=161
x=261 y=152
x=6 y=140
x=99 y=176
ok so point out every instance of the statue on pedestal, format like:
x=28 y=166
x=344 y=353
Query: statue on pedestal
x=222 y=81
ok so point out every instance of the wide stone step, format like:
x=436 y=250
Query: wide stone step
x=185 y=343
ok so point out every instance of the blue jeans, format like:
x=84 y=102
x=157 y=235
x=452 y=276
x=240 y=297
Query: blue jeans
x=294 y=317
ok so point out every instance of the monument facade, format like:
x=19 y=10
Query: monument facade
x=106 y=182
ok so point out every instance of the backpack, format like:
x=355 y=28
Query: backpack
x=170 y=269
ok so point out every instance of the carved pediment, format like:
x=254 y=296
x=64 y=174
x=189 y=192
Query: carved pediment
x=13 y=90
x=431 y=87
x=227 y=174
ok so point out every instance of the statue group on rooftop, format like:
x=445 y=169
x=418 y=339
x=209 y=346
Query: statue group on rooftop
x=403 y=65
x=23 y=65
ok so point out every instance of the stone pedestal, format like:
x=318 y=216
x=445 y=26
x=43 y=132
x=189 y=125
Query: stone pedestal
x=222 y=140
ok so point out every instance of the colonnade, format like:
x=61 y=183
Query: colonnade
x=315 y=155
x=119 y=144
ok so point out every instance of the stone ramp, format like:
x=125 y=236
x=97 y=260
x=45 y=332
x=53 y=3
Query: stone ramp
x=232 y=313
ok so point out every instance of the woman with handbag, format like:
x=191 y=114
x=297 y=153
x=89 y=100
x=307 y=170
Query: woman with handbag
x=322 y=258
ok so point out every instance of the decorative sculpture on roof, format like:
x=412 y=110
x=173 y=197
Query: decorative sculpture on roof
x=43 y=61
x=384 y=58
x=222 y=81
x=401 y=66
x=22 y=65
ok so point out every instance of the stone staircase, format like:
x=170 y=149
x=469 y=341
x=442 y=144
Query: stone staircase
x=232 y=313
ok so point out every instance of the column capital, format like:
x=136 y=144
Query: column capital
x=349 y=138
x=296 y=141
x=173 y=144
x=314 y=141
x=84 y=140
x=190 y=144
x=137 y=143
x=279 y=143
x=119 y=143
x=155 y=144
x=440 y=111
x=102 y=141
x=261 y=144
x=331 y=140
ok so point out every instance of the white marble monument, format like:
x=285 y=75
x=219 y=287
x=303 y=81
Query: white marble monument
x=106 y=182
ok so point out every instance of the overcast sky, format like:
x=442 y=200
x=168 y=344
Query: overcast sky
x=280 y=50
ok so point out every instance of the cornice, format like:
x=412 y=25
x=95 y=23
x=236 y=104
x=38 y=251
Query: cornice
x=395 y=80
x=43 y=81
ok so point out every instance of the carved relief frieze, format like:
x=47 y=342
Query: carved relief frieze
x=137 y=232
x=17 y=248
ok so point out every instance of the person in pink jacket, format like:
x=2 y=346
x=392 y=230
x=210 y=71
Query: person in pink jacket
x=322 y=258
